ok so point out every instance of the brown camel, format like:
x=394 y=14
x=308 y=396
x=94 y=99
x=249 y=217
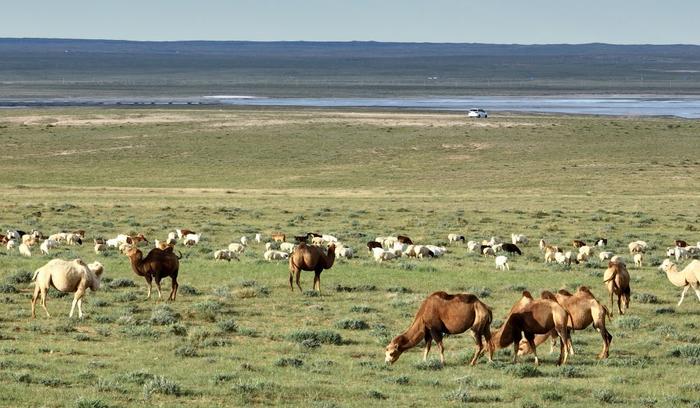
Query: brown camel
x=617 y=280
x=157 y=265
x=442 y=313
x=310 y=258
x=584 y=309
x=530 y=317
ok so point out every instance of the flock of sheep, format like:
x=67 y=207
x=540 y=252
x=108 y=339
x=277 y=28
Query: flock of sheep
x=529 y=323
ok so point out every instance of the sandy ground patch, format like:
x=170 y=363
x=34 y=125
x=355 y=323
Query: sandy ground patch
x=242 y=119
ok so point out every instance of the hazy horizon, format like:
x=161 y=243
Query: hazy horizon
x=624 y=22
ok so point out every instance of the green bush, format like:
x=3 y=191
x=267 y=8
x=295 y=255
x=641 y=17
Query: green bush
x=321 y=336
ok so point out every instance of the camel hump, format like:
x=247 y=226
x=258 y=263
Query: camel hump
x=442 y=295
x=79 y=261
x=566 y=292
x=584 y=289
x=548 y=295
x=527 y=294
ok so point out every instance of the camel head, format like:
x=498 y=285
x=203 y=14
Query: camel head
x=96 y=268
x=667 y=266
x=393 y=351
x=132 y=252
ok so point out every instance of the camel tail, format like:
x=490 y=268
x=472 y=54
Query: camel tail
x=607 y=311
x=179 y=257
x=36 y=273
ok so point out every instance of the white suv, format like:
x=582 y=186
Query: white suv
x=477 y=113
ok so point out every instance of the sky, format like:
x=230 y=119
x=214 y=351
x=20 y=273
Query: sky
x=505 y=21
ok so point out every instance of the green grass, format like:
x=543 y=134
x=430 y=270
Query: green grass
x=237 y=335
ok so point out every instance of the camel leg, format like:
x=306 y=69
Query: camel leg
x=428 y=342
x=516 y=344
x=438 y=339
x=487 y=337
x=160 y=295
x=298 y=276
x=317 y=282
x=34 y=299
x=291 y=280
x=479 y=348
x=76 y=298
x=531 y=342
x=697 y=292
x=607 y=338
x=553 y=342
x=149 y=282
x=685 y=289
x=173 y=290
x=43 y=301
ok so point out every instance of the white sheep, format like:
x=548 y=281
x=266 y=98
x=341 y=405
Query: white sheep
x=380 y=255
x=342 y=251
x=225 y=255
x=518 y=239
x=244 y=240
x=172 y=236
x=637 y=246
x=236 y=247
x=638 y=259
x=74 y=239
x=272 y=245
x=502 y=263
x=258 y=238
x=586 y=250
x=24 y=249
x=11 y=244
x=618 y=259
x=421 y=251
x=100 y=248
x=329 y=238
x=561 y=258
x=472 y=246
x=455 y=237
x=114 y=243
x=272 y=255
x=437 y=251
x=581 y=257
x=47 y=245
x=66 y=276
x=60 y=237
x=192 y=239
x=488 y=251
x=287 y=247
x=681 y=253
x=318 y=241
x=605 y=255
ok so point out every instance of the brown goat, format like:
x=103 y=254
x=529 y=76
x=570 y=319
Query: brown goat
x=680 y=243
x=585 y=310
x=578 y=243
x=530 y=317
x=442 y=313
x=404 y=240
x=617 y=280
x=310 y=258
x=157 y=265
x=136 y=239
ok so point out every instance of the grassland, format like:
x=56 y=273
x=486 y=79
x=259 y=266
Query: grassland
x=237 y=336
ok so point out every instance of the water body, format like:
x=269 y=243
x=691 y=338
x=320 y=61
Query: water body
x=618 y=106
x=684 y=107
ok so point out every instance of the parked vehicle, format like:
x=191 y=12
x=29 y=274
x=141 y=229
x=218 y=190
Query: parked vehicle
x=477 y=113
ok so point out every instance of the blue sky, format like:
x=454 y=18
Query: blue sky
x=506 y=21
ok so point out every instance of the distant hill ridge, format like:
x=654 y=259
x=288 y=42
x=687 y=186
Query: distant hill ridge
x=332 y=49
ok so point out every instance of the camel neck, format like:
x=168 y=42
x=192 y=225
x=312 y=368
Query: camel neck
x=503 y=337
x=675 y=277
x=414 y=334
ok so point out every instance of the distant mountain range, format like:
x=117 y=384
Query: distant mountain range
x=43 y=68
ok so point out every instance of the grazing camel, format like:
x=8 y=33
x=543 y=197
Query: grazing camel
x=687 y=278
x=617 y=280
x=530 y=317
x=66 y=276
x=310 y=258
x=585 y=310
x=442 y=313
x=157 y=265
